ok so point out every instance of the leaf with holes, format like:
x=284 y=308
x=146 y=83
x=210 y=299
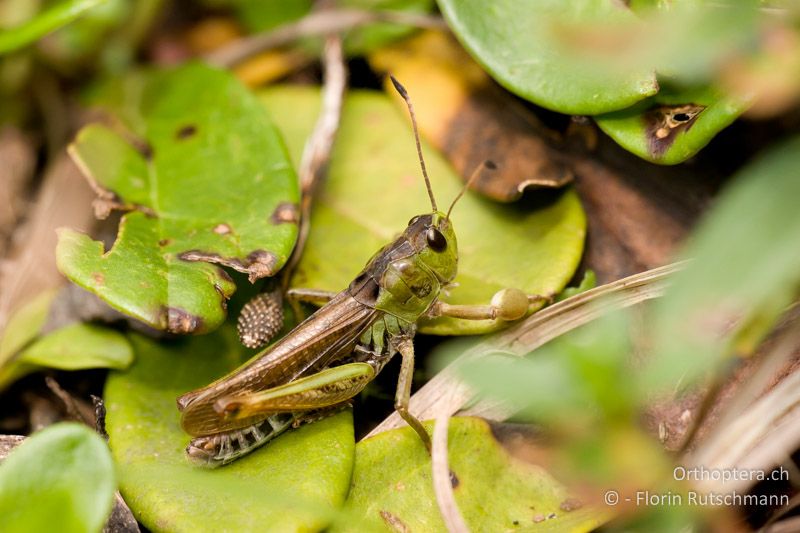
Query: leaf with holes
x=392 y=486
x=672 y=126
x=288 y=485
x=204 y=180
x=374 y=187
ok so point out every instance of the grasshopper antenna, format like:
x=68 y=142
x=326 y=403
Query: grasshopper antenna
x=487 y=164
x=402 y=91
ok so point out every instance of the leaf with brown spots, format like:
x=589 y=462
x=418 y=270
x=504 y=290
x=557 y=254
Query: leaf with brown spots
x=672 y=126
x=200 y=181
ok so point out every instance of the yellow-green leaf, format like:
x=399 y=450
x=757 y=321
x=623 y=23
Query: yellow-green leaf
x=392 y=485
x=374 y=186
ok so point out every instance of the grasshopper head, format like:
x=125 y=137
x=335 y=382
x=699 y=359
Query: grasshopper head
x=434 y=240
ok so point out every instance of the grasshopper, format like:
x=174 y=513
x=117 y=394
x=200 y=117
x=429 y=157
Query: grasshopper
x=331 y=356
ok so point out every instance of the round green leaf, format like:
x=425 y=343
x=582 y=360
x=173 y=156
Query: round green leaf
x=206 y=180
x=518 y=43
x=290 y=484
x=649 y=129
x=494 y=492
x=374 y=186
x=60 y=479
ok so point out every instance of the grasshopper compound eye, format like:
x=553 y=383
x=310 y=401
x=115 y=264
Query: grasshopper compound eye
x=436 y=240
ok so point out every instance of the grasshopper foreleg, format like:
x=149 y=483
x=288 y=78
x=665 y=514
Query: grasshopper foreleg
x=314 y=296
x=406 y=348
x=506 y=304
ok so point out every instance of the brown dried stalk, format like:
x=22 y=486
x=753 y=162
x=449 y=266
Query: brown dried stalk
x=317 y=152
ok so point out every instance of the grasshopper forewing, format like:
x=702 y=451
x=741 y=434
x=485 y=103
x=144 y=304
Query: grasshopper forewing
x=329 y=358
x=325 y=336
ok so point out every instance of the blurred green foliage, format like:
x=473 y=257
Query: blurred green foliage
x=24 y=348
x=494 y=490
x=59 y=479
x=43 y=23
x=589 y=387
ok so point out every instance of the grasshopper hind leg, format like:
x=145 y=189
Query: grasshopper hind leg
x=212 y=451
x=220 y=449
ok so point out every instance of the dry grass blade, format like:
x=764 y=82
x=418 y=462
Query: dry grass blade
x=19 y=162
x=763 y=435
x=64 y=199
x=442 y=484
x=76 y=409
x=445 y=392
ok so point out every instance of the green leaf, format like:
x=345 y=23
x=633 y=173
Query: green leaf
x=374 y=36
x=650 y=130
x=288 y=485
x=24 y=325
x=73 y=347
x=44 y=23
x=518 y=43
x=61 y=478
x=589 y=281
x=207 y=181
x=745 y=269
x=494 y=492
x=374 y=186
x=89 y=39
x=259 y=16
